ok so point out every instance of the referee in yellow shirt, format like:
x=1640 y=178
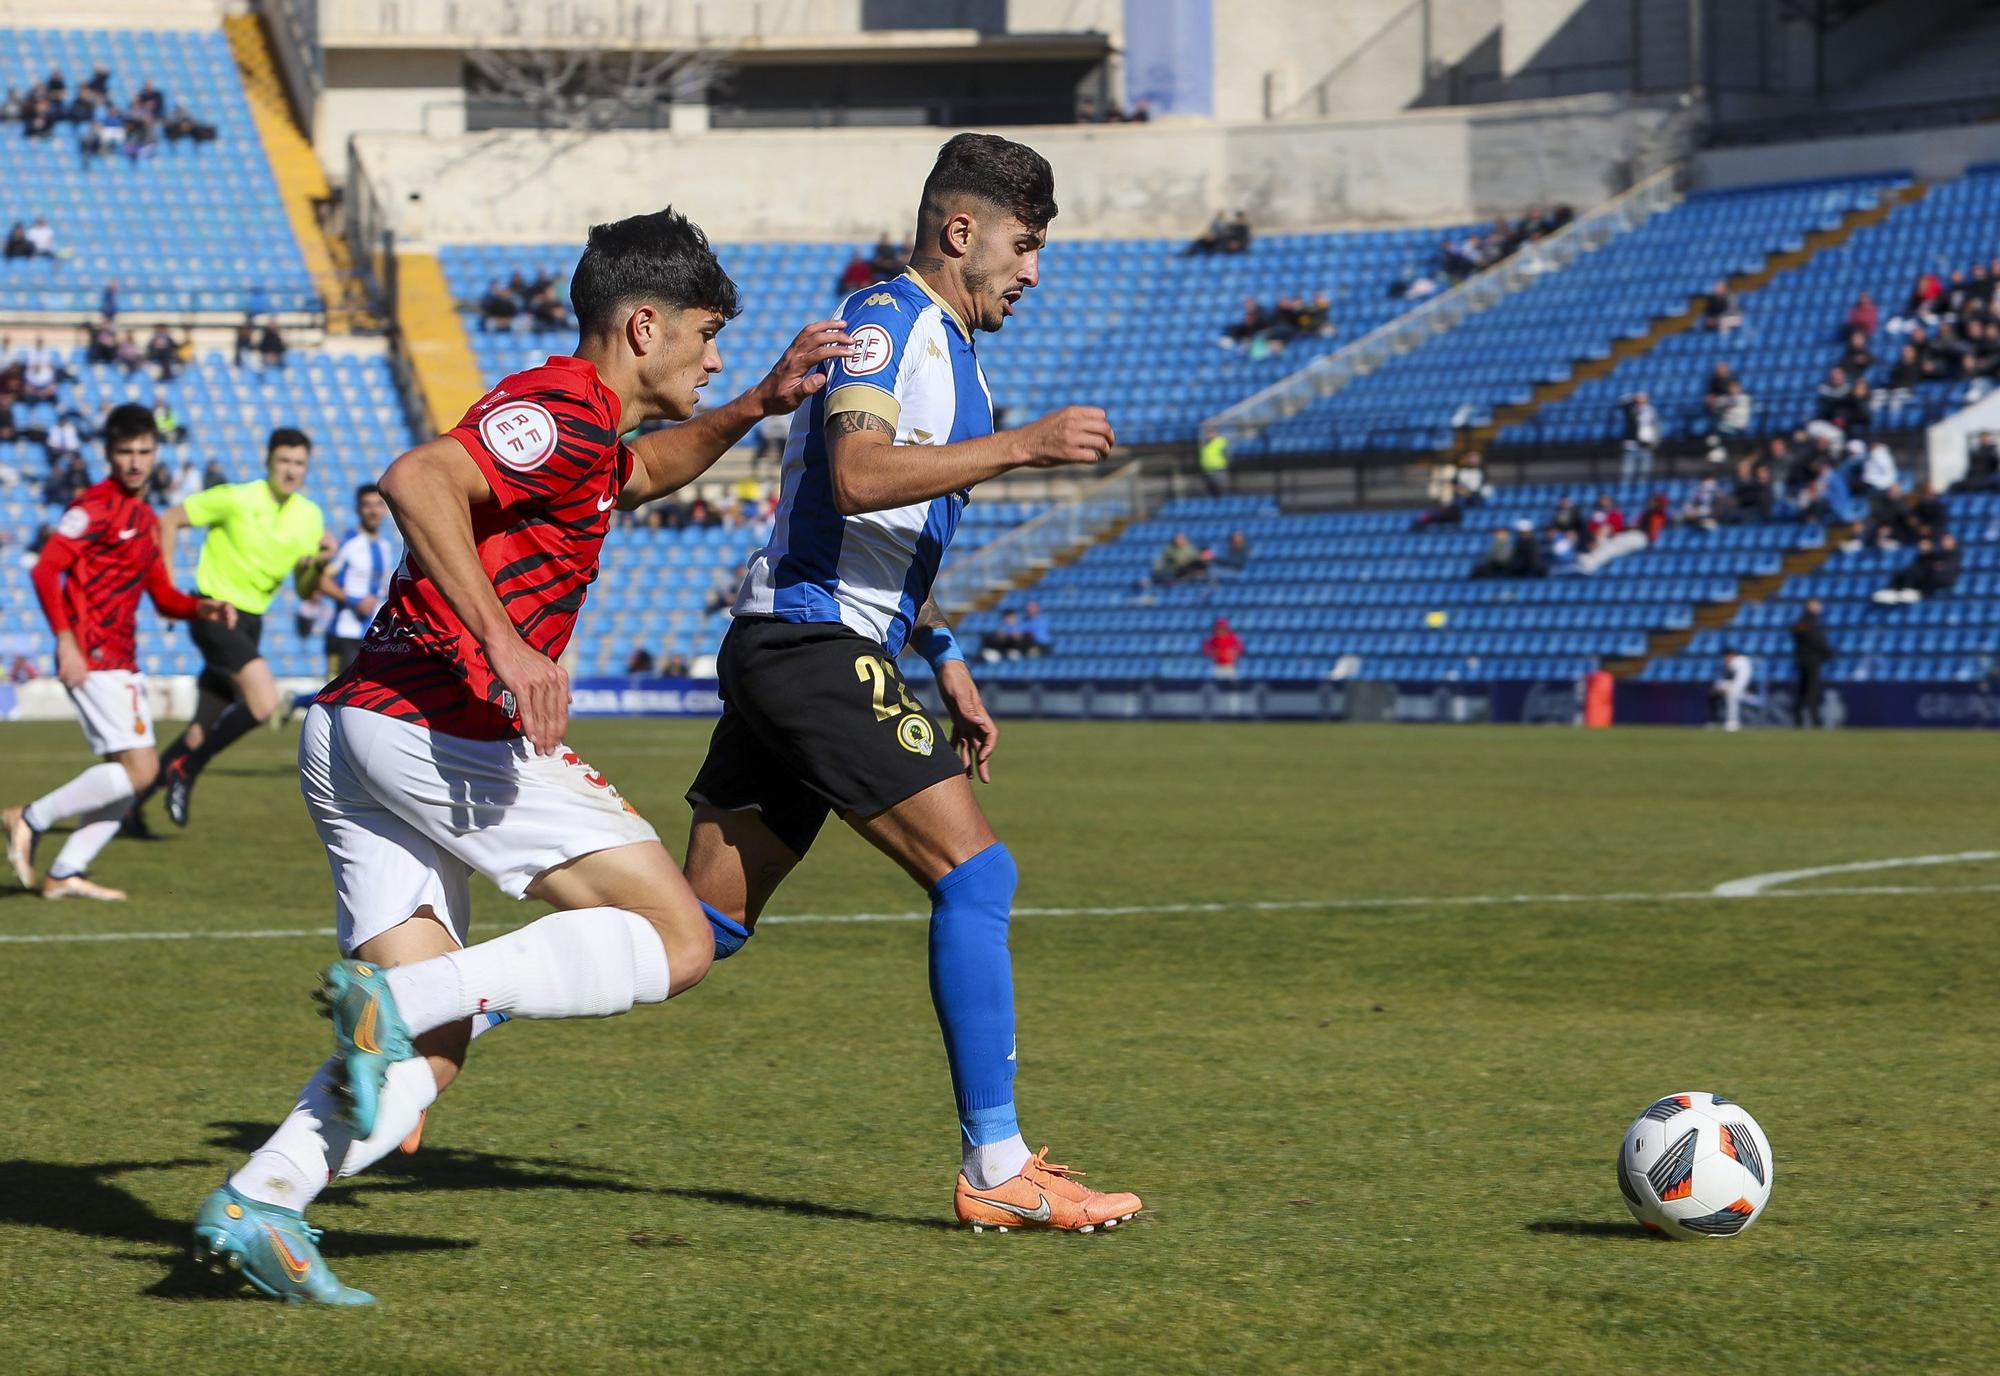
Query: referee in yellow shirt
x=259 y=534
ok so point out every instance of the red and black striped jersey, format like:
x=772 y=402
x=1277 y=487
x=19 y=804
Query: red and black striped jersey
x=547 y=441
x=104 y=552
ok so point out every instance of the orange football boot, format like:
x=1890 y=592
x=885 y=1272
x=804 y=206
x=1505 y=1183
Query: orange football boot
x=416 y=1137
x=1043 y=1195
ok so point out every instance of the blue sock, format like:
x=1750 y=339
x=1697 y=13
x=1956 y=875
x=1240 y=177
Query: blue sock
x=729 y=933
x=972 y=986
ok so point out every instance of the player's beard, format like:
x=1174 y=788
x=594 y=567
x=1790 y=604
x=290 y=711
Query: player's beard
x=976 y=279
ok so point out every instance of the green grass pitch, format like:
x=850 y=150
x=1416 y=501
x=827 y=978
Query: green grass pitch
x=1376 y=1007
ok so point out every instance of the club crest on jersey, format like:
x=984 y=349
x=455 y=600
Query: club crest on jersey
x=872 y=350
x=521 y=434
x=74 y=523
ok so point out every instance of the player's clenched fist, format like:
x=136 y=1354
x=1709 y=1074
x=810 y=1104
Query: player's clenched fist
x=541 y=692
x=1075 y=434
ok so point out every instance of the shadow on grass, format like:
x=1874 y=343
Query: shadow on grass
x=1591 y=1227
x=444 y=1168
x=84 y=1199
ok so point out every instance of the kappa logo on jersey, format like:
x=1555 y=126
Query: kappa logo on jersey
x=872 y=350
x=521 y=434
x=74 y=523
x=882 y=298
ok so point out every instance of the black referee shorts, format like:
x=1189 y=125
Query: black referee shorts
x=815 y=719
x=226 y=649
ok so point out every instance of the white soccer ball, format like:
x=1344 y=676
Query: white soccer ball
x=1695 y=1165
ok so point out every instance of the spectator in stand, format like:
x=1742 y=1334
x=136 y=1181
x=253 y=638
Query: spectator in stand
x=163 y=351
x=887 y=261
x=1863 y=316
x=773 y=433
x=1719 y=309
x=1513 y=554
x=172 y=429
x=1729 y=419
x=1857 y=357
x=107 y=303
x=1610 y=544
x=182 y=124
x=160 y=485
x=17 y=242
x=67 y=477
x=1641 y=436
x=1705 y=506
x=212 y=475
x=130 y=356
x=1468 y=479
x=1891 y=524
x=246 y=345
x=1927 y=289
x=40 y=119
x=1180 y=561
x=271 y=346
x=1233 y=559
x=550 y=311
x=1605 y=518
x=674 y=666
x=1568 y=517
x=150 y=100
x=12 y=108
x=1223 y=648
x=1035 y=628
x=65 y=439
x=1834 y=399
x=1226 y=234
x=1812 y=651
x=1008 y=640
x=1754 y=498
x=42 y=238
x=102 y=344
x=498 y=309
x=1907 y=371
x=1933 y=571
x=1982 y=464
x=1726 y=694
x=640 y=661
x=39 y=378
x=1253 y=322
x=858 y=273
x=1212 y=457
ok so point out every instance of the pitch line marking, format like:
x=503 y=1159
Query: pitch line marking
x=1476 y=900
x=1759 y=885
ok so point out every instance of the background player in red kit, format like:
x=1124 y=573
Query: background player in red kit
x=104 y=552
x=440 y=751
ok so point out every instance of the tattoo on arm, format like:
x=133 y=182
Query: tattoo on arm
x=853 y=422
x=929 y=616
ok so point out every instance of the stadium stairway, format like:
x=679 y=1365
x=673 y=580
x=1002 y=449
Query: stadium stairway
x=435 y=339
x=301 y=181
x=1742 y=283
x=1756 y=588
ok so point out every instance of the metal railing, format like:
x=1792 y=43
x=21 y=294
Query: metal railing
x=1034 y=545
x=1329 y=373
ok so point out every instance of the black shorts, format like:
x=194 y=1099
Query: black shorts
x=815 y=719
x=226 y=649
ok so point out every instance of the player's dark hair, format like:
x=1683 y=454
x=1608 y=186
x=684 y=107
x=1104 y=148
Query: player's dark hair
x=662 y=258
x=285 y=437
x=364 y=490
x=128 y=421
x=986 y=167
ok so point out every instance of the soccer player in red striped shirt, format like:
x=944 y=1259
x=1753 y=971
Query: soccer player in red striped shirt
x=440 y=754
x=105 y=551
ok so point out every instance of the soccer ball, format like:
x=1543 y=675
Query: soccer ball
x=1695 y=1165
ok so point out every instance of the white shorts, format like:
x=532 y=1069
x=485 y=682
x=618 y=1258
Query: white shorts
x=408 y=815
x=112 y=706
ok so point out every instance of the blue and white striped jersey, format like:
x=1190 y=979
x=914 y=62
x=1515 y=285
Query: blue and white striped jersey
x=362 y=568
x=915 y=367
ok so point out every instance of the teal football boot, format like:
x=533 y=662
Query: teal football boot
x=368 y=1034
x=274 y=1249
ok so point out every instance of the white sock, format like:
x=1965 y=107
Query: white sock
x=584 y=963
x=988 y=1166
x=312 y=1143
x=98 y=786
x=92 y=835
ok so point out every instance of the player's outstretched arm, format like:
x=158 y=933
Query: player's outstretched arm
x=431 y=492
x=871 y=472
x=668 y=460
